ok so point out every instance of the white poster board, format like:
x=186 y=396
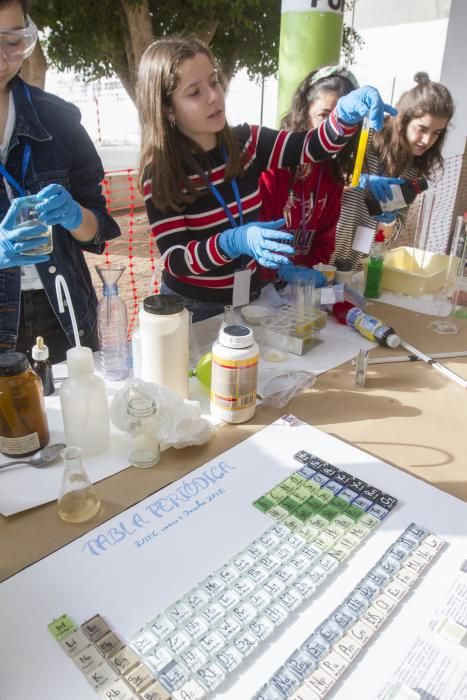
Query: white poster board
x=139 y=562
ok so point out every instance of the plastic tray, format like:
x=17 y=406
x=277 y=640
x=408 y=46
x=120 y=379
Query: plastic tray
x=414 y=272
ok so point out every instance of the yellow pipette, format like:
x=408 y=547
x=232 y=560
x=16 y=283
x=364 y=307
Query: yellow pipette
x=362 y=144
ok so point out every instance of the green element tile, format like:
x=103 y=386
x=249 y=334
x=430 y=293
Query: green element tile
x=278 y=513
x=329 y=512
x=302 y=493
x=293 y=523
x=354 y=512
x=324 y=496
x=315 y=504
x=309 y=532
x=343 y=521
x=323 y=542
x=277 y=494
x=334 y=532
x=340 y=504
x=318 y=521
x=290 y=503
x=359 y=531
x=264 y=504
x=293 y=482
x=304 y=512
x=287 y=485
x=61 y=626
x=369 y=521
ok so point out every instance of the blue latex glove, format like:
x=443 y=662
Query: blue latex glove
x=15 y=241
x=387 y=217
x=380 y=187
x=356 y=105
x=260 y=240
x=291 y=273
x=57 y=206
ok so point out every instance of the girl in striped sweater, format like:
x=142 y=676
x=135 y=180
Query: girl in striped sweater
x=200 y=178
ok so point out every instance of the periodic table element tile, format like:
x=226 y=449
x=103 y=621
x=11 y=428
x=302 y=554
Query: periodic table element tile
x=109 y=643
x=264 y=504
x=285 y=680
x=190 y=691
x=321 y=682
x=73 y=642
x=139 y=677
x=305 y=693
x=144 y=640
x=95 y=628
x=62 y=626
x=155 y=691
x=123 y=660
x=361 y=632
x=101 y=676
x=335 y=664
x=269 y=692
x=302 y=456
x=88 y=659
x=348 y=647
x=117 y=689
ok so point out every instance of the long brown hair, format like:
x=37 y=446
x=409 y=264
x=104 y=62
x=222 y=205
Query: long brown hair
x=391 y=146
x=297 y=118
x=167 y=155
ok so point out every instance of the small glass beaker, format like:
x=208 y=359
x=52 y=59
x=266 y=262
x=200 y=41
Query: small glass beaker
x=27 y=216
x=144 y=448
x=78 y=500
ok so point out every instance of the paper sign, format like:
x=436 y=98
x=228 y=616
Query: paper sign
x=241 y=288
x=363 y=239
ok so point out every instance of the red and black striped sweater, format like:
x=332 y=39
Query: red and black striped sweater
x=198 y=268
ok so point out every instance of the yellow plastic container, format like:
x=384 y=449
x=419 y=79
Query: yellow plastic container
x=414 y=272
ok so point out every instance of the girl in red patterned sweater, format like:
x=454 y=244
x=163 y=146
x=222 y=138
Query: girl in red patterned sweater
x=200 y=178
x=311 y=194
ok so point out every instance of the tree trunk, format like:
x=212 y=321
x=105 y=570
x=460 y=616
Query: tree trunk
x=137 y=30
x=34 y=68
x=207 y=31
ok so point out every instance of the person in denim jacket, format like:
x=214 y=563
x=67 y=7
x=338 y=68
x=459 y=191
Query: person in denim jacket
x=45 y=151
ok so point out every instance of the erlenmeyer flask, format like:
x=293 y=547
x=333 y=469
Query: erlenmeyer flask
x=112 y=325
x=78 y=500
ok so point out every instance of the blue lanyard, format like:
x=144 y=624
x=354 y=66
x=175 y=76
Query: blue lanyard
x=221 y=199
x=25 y=162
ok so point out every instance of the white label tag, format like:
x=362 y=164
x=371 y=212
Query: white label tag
x=327 y=295
x=363 y=239
x=241 y=288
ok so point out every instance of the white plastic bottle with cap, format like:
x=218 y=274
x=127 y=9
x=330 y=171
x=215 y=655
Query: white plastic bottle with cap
x=84 y=404
x=234 y=375
x=164 y=338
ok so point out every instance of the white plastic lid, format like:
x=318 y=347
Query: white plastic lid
x=79 y=362
x=236 y=336
x=393 y=341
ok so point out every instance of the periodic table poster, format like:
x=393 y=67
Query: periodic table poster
x=248 y=578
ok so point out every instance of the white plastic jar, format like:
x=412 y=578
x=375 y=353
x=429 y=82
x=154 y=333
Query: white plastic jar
x=164 y=338
x=234 y=376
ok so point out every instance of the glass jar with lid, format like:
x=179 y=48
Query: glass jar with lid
x=23 y=420
x=144 y=448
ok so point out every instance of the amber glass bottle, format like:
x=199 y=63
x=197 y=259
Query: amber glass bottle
x=23 y=420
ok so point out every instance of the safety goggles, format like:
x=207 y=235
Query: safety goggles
x=18 y=44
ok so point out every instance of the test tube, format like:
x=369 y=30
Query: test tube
x=361 y=150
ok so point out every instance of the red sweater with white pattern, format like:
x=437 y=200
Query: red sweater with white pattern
x=197 y=267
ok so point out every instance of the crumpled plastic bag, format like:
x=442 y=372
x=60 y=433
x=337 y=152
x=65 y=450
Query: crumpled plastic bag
x=179 y=421
x=278 y=388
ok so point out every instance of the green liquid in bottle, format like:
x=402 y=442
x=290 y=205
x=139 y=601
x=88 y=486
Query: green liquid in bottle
x=373 y=278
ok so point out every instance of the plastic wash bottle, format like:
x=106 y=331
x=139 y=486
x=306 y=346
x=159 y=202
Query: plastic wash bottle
x=84 y=404
x=234 y=374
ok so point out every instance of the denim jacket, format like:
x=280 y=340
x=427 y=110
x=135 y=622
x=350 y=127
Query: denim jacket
x=61 y=152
